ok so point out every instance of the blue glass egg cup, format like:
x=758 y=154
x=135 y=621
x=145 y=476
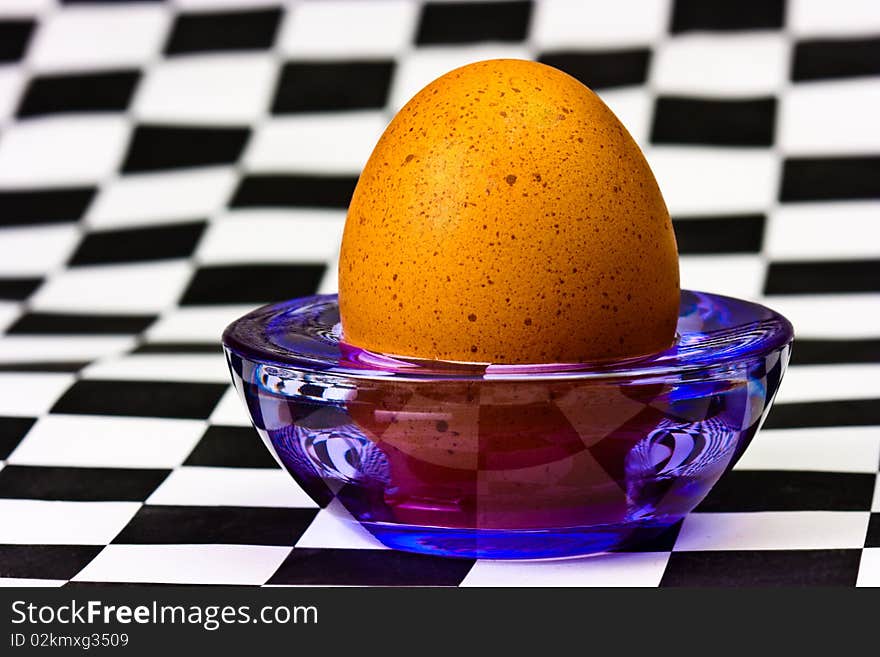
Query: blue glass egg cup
x=509 y=461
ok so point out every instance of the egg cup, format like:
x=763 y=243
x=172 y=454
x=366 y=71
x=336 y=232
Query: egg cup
x=508 y=461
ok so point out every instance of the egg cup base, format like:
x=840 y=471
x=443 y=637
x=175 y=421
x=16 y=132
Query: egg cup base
x=523 y=544
x=508 y=461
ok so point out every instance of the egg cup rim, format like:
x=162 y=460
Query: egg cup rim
x=757 y=332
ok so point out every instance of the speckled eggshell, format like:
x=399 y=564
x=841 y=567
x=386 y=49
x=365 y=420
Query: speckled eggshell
x=507 y=216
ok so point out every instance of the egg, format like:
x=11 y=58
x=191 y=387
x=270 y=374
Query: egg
x=507 y=216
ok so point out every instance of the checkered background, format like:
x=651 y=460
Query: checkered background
x=165 y=168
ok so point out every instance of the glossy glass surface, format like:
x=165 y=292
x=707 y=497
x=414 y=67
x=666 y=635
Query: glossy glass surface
x=509 y=461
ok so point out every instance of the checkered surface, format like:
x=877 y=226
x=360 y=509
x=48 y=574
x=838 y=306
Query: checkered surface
x=166 y=167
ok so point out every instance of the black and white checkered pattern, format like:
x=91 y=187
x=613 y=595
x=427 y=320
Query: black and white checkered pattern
x=165 y=168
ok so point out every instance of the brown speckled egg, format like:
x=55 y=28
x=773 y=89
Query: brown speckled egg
x=506 y=216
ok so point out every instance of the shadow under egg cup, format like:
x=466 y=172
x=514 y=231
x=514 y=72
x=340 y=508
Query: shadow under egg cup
x=509 y=461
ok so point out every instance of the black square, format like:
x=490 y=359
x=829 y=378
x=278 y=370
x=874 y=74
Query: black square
x=90 y=92
x=38 y=323
x=229 y=525
x=44 y=206
x=230 y=30
x=603 y=70
x=323 y=567
x=840 y=413
x=138 y=244
x=820 y=59
x=330 y=86
x=873 y=538
x=765 y=568
x=231 y=447
x=12 y=430
x=71 y=366
x=724 y=234
x=721 y=15
x=835 y=352
x=817 y=277
x=18 y=289
x=14 y=37
x=156 y=147
x=472 y=22
x=141 y=398
x=79 y=484
x=714 y=122
x=178 y=348
x=742 y=491
x=830 y=178
x=252 y=284
x=45 y=561
x=294 y=191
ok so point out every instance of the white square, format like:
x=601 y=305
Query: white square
x=9 y=312
x=25 y=8
x=222 y=4
x=170 y=197
x=786 y=530
x=869 y=568
x=68 y=348
x=297 y=236
x=42 y=522
x=837 y=449
x=315 y=143
x=141 y=288
x=812 y=383
x=819 y=316
x=230 y=411
x=31 y=583
x=108 y=442
x=637 y=569
x=203 y=368
x=210 y=89
x=830 y=118
x=330 y=281
x=31 y=393
x=347 y=29
x=842 y=17
x=334 y=527
x=35 y=250
x=196 y=324
x=425 y=65
x=263 y=487
x=58 y=151
x=700 y=180
x=185 y=564
x=559 y=24
x=99 y=37
x=633 y=107
x=740 y=276
x=803 y=231
x=12 y=80
x=750 y=64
